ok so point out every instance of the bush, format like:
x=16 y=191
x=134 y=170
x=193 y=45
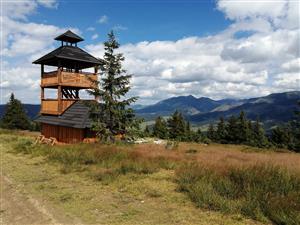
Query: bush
x=261 y=192
x=23 y=145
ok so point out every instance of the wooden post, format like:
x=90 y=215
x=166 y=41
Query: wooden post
x=97 y=98
x=77 y=94
x=42 y=93
x=59 y=98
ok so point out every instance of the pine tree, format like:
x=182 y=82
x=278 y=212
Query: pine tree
x=197 y=136
x=221 y=132
x=15 y=116
x=188 y=132
x=281 y=137
x=244 y=132
x=177 y=126
x=259 y=137
x=114 y=116
x=211 y=133
x=147 y=132
x=232 y=130
x=295 y=130
x=160 y=129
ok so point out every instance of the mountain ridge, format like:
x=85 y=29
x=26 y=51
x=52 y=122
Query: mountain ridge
x=272 y=109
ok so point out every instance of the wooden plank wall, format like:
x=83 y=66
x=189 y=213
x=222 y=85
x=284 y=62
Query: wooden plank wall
x=63 y=134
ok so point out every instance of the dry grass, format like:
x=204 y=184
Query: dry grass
x=116 y=165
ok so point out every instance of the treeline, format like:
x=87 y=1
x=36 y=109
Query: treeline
x=235 y=130
x=15 y=116
x=175 y=128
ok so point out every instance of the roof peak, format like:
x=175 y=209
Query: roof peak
x=69 y=36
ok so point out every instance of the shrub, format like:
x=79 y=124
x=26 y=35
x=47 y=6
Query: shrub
x=260 y=192
x=23 y=145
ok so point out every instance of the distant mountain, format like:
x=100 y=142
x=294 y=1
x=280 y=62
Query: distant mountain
x=271 y=109
x=30 y=109
x=188 y=105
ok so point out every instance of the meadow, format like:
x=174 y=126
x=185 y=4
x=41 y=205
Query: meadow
x=151 y=184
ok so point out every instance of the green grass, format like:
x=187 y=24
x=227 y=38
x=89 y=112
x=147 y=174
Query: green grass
x=93 y=193
x=262 y=192
x=111 y=160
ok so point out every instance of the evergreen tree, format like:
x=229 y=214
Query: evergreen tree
x=232 y=130
x=188 y=132
x=211 y=133
x=295 y=130
x=147 y=132
x=177 y=126
x=160 y=129
x=14 y=116
x=197 y=136
x=281 y=137
x=244 y=132
x=259 y=137
x=114 y=116
x=221 y=132
x=288 y=136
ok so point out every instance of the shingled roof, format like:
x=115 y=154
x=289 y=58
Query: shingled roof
x=69 y=36
x=76 y=116
x=67 y=55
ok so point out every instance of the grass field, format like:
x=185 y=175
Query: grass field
x=148 y=184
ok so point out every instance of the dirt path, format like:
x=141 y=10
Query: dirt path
x=16 y=208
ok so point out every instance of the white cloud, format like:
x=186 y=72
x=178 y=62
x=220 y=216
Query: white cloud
x=48 y=3
x=243 y=9
x=90 y=29
x=265 y=58
x=292 y=66
x=103 y=19
x=119 y=27
x=95 y=36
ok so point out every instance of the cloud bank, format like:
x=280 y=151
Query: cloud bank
x=256 y=55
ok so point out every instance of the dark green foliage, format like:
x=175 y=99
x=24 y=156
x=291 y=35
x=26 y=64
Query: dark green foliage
x=211 y=133
x=221 y=133
x=281 y=136
x=288 y=136
x=239 y=130
x=197 y=136
x=15 y=116
x=177 y=126
x=244 y=131
x=160 y=129
x=114 y=116
x=259 y=138
x=260 y=192
x=147 y=132
x=232 y=130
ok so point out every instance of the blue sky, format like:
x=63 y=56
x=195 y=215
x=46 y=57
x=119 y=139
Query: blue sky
x=217 y=49
x=141 y=20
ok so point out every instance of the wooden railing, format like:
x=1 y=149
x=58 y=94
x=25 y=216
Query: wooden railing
x=66 y=78
x=52 y=106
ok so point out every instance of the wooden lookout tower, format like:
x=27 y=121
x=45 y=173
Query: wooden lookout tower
x=66 y=117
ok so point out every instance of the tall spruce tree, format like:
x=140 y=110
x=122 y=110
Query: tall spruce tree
x=147 y=132
x=221 y=132
x=211 y=133
x=177 y=126
x=114 y=116
x=160 y=129
x=14 y=116
x=232 y=129
x=244 y=132
x=259 y=137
